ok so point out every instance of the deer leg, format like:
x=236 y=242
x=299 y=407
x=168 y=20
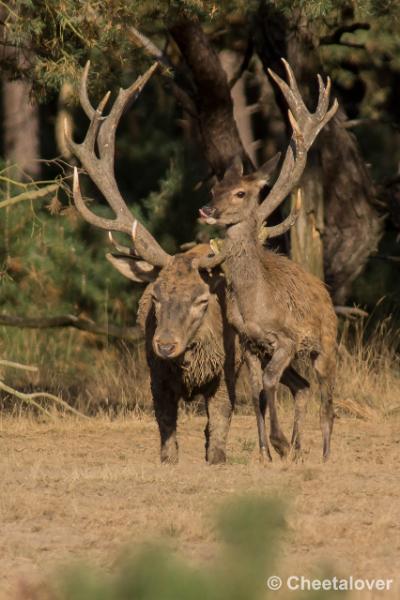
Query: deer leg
x=219 y=413
x=259 y=403
x=276 y=436
x=272 y=375
x=300 y=389
x=326 y=367
x=166 y=412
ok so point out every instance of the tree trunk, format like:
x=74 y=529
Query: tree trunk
x=339 y=195
x=230 y=62
x=306 y=245
x=21 y=130
x=219 y=133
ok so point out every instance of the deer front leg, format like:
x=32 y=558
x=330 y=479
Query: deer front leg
x=256 y=385
x=219 y=413
x=166 y=411
x=272 y=375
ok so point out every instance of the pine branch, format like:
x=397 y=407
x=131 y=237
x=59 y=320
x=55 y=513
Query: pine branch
x=335 y=37
x=30 y=195
x=181 y=95
x=127 y=333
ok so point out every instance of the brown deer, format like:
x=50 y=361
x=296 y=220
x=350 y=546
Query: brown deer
x=191 y=348
x=278 y=308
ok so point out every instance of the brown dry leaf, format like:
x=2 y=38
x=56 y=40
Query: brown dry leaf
x=55 y=206
x=14 y=264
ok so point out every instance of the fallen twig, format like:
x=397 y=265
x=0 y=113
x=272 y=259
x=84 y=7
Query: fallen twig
x=15 y=365
x=30 y=399
x=351 y=312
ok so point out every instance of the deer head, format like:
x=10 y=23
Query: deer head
x=238 y=196
x=180 y=295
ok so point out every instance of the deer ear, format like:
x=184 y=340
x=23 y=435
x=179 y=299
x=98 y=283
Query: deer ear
x=234 y=171
x=139 y=271
x=265 y=174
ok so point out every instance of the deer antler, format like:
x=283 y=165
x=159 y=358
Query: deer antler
x=100 y=168
x=277 y=230
x=306 y=127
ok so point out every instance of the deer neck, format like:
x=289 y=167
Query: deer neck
x=245 y=278
x=242 y=243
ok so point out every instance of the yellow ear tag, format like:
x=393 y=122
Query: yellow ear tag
x=216 y=245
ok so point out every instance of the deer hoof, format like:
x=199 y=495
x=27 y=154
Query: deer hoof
x=216 y=456
x=281 y=446
x=265 y=456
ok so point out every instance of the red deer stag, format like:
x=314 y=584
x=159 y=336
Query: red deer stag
x=191 y=348
x=276 y=306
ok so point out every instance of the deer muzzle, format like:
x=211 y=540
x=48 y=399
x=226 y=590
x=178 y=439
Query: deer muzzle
x=207 y=214
x=165 y=349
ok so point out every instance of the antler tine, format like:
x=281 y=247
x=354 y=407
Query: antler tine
x=331 y=113
x=122 y=102
x=87 y=214
x=277 y=230
x=285 y=89
x=292 y=82
x=83 y=92
x=290 y=92
x=95 y=122
x=323 y=96
x=121 y=249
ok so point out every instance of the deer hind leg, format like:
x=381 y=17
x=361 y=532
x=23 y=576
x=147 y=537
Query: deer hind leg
x=277 y=437
x=272 y=375
x=325 y=367
x=219 y=413
x=166 y=412
x=259 y=403
x=300 y=389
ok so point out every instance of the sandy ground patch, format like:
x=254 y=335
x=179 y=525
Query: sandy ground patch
x=82 y=491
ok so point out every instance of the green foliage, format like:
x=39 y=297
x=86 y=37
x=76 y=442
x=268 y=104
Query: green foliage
x=55 y=263
x=62 y=34
x=250 y=529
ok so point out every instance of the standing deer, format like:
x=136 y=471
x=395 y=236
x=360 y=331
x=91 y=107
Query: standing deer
x=191 y=348
x=278 y=308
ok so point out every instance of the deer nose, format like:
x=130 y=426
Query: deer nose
x=206 y=211
x=165 y=349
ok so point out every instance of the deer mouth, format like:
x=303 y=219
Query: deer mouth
x=206 y=213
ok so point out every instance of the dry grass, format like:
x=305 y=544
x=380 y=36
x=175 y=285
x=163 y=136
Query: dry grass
x=99 y=377
x=75 y=491
x=368 y=375
x=87 y=371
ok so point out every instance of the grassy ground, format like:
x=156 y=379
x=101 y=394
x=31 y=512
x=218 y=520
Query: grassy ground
x=73 y=491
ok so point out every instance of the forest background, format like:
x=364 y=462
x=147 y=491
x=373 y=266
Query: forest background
x=210 y=100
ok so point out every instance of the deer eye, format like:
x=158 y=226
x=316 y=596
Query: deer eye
x=240 y=194
x=201 y=301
